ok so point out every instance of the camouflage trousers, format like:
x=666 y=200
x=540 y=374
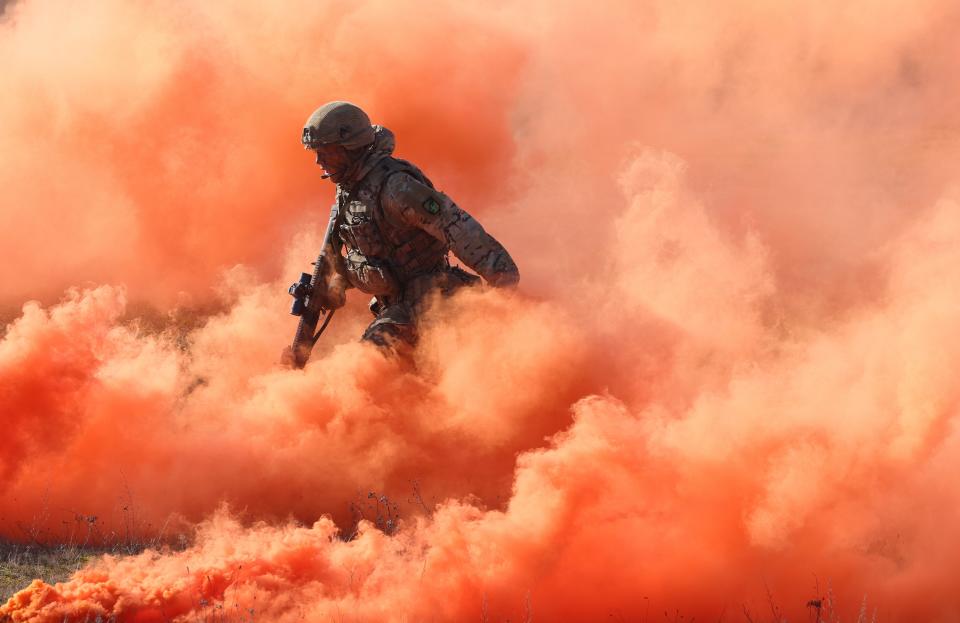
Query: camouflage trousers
x=395 y=325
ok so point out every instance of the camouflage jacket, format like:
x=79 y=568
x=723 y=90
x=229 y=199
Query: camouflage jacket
x=394 y=226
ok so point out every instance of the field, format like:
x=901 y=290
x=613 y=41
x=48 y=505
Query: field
x=724 y=388
x=21 y=564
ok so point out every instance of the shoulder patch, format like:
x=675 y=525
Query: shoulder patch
x=431 y=205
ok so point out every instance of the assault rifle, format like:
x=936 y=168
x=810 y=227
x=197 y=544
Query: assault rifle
x=309 y=307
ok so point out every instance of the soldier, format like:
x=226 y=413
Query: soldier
x=393 y=229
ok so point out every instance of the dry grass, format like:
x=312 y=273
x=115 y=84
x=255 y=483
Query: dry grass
x=54 y=556
x=21 y=564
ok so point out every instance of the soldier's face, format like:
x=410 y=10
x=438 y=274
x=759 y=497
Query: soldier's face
x=334 y=159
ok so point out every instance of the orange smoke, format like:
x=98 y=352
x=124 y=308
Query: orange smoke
x=729 y=371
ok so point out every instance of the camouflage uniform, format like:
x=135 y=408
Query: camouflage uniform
x=393 y=232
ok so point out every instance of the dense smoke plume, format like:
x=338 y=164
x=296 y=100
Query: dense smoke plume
x=727 y=381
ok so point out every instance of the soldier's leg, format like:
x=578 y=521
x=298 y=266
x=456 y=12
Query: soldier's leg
x=393 y=330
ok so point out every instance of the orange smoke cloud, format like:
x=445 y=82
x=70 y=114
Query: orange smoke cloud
x=729 y=369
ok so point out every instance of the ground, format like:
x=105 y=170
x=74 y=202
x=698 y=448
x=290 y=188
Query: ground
x=19 y=564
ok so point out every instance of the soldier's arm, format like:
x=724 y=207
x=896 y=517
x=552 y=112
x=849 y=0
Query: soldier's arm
x=334 y=282
x=405 y=199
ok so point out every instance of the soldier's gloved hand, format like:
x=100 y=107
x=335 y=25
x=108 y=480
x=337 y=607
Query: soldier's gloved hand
x=504 y=280
x=504 y=273
x=332 y=293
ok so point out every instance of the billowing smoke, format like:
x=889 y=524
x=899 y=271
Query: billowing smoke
x=727 y=381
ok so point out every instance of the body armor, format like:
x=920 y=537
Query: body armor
x=383 y=258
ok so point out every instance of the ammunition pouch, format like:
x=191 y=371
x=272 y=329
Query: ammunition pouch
x=364 y=237
x=371 y=276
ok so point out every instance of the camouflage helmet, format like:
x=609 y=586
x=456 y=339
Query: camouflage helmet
x=337 y=123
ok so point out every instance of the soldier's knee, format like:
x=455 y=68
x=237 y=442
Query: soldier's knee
x=391 y=336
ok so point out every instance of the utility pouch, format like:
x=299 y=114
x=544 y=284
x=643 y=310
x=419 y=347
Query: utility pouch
x=371 y=276
x=364 y=236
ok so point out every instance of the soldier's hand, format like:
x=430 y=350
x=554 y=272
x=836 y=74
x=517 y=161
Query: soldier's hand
x=332 y=292
x=507 y=280
x=504 y=273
